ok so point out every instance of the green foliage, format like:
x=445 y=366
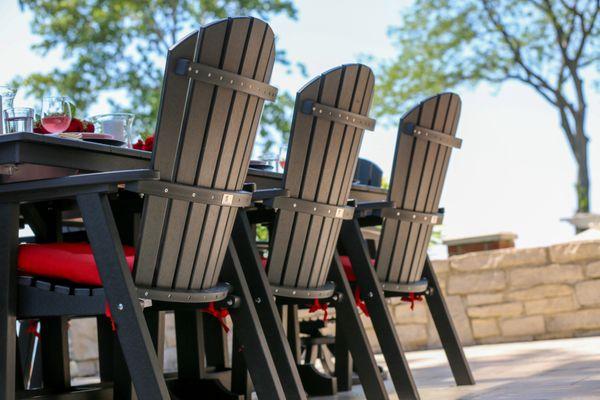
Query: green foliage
x=546 y=44
x=444 y=43
x=121 y=45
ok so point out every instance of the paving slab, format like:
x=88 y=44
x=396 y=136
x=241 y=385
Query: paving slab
x=541 y=370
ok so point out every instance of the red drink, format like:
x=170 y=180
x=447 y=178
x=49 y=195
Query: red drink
x=56 y=124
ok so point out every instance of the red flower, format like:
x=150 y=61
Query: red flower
x=39 y=128
x=75 y=126
x=149 y=143
x=139 y=145
x=87 y=126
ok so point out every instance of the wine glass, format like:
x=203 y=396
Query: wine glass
x=56 y=114
x=281 y=159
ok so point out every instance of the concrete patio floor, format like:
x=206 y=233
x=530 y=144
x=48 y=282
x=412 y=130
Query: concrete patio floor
x=551 y=369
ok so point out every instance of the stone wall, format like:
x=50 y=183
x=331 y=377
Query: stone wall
x=494 y=296
x=512 y=295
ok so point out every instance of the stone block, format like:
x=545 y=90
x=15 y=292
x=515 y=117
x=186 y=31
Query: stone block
x=593 y=269
x=575 y=251
x=441 y=266
x=460 y=319
x=555 y=273
x=588 y=292
x=496 y=310
x=404 y=315
x=567 y=322
x=551 y=306
x=505 y=258
x=532 y=325
x=540 y=292
x=412 y=336
x=484 y=298
x=483 y=328
x=483 y=282
x=83 y=339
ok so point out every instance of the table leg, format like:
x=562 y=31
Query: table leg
x=9 y=221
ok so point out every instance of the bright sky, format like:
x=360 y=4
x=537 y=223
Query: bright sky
x=514 y=172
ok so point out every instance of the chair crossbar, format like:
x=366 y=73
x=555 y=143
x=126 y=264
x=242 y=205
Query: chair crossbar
x=193 y=194
x=431 y=135
x=356 y=120
x=393 y=288
x=226 y=79
x=413 y=216
x=313 y=208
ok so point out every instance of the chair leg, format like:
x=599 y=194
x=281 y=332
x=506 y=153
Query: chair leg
x=9 y=241
x=343 y=362
x=240 y=380
x=372 y=293
x=256 y=278
x=56 y=372
x=446 y=330
x=125 y=308
x=348 y=321
x=252 y=338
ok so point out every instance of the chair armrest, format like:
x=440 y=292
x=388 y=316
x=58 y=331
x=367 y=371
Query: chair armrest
x=73 y=185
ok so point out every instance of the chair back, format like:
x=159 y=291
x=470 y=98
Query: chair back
x=328 y=124
x=425 y=139
x=213 y=93
x=368 y=173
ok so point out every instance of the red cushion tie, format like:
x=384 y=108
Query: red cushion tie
x=316 y=306
x=109 y=316
x=360 y=302
x=411 y=299
x=32 y=329
x=218 y=314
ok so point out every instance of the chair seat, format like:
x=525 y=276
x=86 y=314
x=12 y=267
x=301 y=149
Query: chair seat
x=73 y=262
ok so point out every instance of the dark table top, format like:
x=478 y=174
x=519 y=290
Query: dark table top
x=28 y=156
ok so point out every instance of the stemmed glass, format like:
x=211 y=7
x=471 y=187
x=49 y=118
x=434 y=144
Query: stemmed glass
x=281 y=158
x=56 y=114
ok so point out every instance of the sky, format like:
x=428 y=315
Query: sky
x=514 y=172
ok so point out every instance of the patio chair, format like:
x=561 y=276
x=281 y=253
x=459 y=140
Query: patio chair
x=216 y=82
x=426 y=136
x=303 y=268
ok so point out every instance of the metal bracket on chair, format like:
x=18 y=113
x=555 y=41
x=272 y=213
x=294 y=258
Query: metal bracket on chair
x=431 y=135
x=311 y=107
x=229 y=80
x=191 y=193
x=312 y=207
x=417 y=287
x=413 y=216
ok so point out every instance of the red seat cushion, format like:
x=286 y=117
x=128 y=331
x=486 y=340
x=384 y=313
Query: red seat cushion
x=72 y=262
x=348 y=268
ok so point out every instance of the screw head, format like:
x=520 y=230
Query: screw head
x=229 y=302
x=258 y=300
x=370 y=294
x=120 y=306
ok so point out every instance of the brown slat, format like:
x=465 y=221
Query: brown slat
x=450 y=127
x=169 y=122
x=194 y=134
x=415 y=198
x=348 y=154
x=426 y=189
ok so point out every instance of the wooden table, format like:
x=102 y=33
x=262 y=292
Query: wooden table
x=27 y=156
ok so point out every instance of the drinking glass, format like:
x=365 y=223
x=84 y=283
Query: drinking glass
x=7 y=96
x=282 y=157
x=56 y=114
x=270 y=160
x=19 y=119
x=117 y=125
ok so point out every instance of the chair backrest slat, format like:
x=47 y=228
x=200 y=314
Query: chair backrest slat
x=183 y=243
x=417 y=178
x=321 y=158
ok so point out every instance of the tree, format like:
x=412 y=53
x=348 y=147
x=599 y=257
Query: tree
x=120 y=46
x=548 y=45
